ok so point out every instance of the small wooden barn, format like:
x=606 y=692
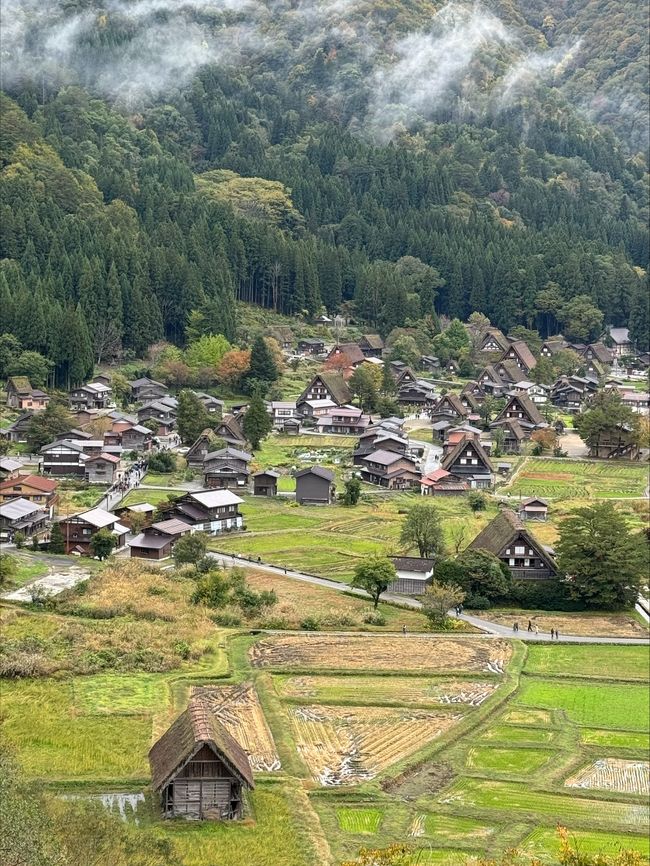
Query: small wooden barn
x=198 y=769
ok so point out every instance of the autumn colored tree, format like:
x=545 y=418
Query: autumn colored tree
x=233 y=368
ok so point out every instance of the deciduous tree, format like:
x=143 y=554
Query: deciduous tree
x=102 y=544
x=438 y=599
x=422 y=528
x=374 y=574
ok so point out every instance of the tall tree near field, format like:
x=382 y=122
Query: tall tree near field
x=604 y=560
x=374 y=574
x=606 y=414
x=57 y=541
x=263 y=370
x=422 y=528
x=102 y=544
x=438 y=600
x=257 y=422
x=192 y=417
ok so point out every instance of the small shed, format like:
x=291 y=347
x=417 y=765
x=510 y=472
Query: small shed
x=315 y=486
x=198 y=769
x=265 y=483
x=533 y=509
x=414 y=574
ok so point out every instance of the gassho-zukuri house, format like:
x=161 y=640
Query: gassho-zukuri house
x=198 y=769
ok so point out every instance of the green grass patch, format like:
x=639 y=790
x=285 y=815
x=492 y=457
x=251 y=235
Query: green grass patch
x=513 y=734
x=527 y=717
x=516 y=761
x=153 y=497
x=273 y=837
x=26 y=571
x=511 y=798
x=590 y=660
x=602 y=705
x=132 y=694
x=615 y=739
x=545 y=841
x=359 y=820
x=454 y=829
x=163 y=479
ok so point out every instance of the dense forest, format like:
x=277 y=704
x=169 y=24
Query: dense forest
x=172 y=158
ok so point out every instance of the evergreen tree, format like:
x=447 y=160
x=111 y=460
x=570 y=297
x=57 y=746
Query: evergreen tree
x=263 y=370
x=192 y=418
x=257 y=422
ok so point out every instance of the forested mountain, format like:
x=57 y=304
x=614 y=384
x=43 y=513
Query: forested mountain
x=162 y=157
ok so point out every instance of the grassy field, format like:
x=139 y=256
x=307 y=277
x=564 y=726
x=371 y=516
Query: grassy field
x=615 y=662
x=578 y=479
x=610 y=705
x=153 y=497
x=510 y=761
x=543 y=842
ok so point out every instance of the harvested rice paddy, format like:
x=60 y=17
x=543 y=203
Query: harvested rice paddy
x=614 y=774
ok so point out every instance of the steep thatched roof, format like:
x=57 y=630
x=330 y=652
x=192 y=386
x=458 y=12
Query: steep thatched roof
x=449 y=459
x=196 y=727
x=502 y=531
x=527 y=407
x=522 y=351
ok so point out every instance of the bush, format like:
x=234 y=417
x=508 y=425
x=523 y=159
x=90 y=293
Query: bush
x=375 y=617
x=310 y=623
x=162 y=461
x=275 y=622
x=226 y=620
x=182 y=649
x=478 y=602
x=545 y=595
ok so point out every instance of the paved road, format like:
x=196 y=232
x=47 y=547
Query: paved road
x=492 y=628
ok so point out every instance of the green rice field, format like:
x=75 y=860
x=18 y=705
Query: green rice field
x=578 y=479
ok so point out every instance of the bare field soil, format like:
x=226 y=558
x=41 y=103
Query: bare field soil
x=238 y=709
x=586 y=625
x=406 y=653
x=395 y=690
x=614 y=774
x=347 y=745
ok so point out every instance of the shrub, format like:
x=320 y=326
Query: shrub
x=19 y=540
x=162 y=461
x=226 y=620
x=310 y=623
x=275 y=622
x=545 y=595
x=182 y=649
x=375 y=617
x=478 y=602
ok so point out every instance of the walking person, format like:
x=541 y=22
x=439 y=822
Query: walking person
x=530 y=625
x=536 y=629
x=552 y=633
x=557 y=634
x=404 y=629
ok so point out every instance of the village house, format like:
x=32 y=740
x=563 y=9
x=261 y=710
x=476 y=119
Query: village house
x=513 y=435
x=537 y=393
x=620 y=442
x=315 y=486
x=344 y=420
x=598 y=352
x=65 y=457
x=102 y=469
x=21 y=515
x=283 y=335
x=442 y=483
x=371 y=345
x=282 y=411
x=449 y=408
x=552 y=346
x=509 y=372
x=311 y=409
x=311 y=346
x=493 y=340
x=401 y=373
x=93 y=395
x=145 y=390
x=17 y=432
x=229 y=429
x=198 y=769
x=135 y=437
x=211 y=511
x=346 y=355
x=419 y=394
x=414 y=574
x=9 y=468
x=533 y=508
x=78 y=530
x=157 y=540
x=507 y=537
x=34 y=488
x=226 y=468
x=521 y=355
x=265 y=483
x=637 y=402
x=162 y=415
x=522 y=409
x=21 y=395
x=146 y=509
x=391 y=470
x=377 y=437
x=212 y=405
x=468 y=460
x=491 y=383
x=430 y=363
x=569 y=393
x=325 y=386
x=621 y=343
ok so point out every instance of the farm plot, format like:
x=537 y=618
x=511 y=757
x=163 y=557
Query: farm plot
x=578 y=479
x=593 y=660
x=511 y=798
x=404 y=653
x=606 y=705
x=450 y=828
x=358 y=820
x=347 y=745
x=614 y=774
x=544 y=840
x=596 y=625
x=406 y=691
x=615 y=739
x=238 y=709
x=503 y=760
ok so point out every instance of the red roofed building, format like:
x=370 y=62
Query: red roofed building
x=34 y=488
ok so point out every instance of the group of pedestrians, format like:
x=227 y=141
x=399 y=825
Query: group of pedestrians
x=131 y=478
x=533 y=628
